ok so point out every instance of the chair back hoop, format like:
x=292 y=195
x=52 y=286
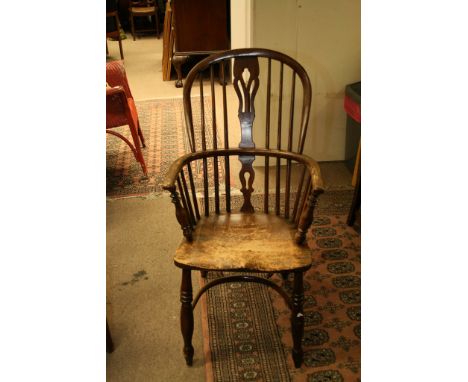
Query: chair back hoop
x=246 y=60
x=252 y=70
x=116 y=76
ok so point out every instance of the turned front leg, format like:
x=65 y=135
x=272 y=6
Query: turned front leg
x=186 y=315
x=297 y=319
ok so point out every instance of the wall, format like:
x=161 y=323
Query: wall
x=241 y=23
x=324 y=36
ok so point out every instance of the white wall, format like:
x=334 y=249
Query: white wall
x=241 y=23
x=324 y=36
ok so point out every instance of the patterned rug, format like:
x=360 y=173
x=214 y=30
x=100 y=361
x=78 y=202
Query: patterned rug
x=247 y=327
x=163 y=125
x=335 y=201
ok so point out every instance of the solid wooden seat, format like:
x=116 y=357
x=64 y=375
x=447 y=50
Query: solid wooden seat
x=143 y=10
x=257 y=242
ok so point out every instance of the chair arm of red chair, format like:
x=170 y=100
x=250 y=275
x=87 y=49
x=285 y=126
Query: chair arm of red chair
x=110 y=91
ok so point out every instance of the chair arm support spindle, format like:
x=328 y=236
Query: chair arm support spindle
x=182 y=215
x=307 y=216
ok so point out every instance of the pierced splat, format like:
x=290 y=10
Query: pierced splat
x=246 y=92
x=246 y=83
x=247 y=188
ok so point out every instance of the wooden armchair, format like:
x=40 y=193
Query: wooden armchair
x=121 y=110
x=246 y=241
x=141 y=8
x=113 y=30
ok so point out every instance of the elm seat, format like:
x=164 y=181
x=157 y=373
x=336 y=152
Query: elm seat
x=259 y=242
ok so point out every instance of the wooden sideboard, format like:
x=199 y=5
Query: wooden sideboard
x=199 y=27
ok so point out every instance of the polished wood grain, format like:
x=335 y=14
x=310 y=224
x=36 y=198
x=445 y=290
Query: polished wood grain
x=240 y=241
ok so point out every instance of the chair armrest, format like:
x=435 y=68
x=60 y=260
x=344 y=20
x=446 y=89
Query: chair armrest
x=174 y=170
x=110 y=91
x=306 y=216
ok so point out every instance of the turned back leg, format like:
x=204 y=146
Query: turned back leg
x=186 y=315
x=297 y=318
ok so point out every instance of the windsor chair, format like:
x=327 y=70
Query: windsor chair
x=113 y=30
x=143 y=8
x=246 y=241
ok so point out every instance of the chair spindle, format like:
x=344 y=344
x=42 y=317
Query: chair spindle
x=184 y=201
x=267 y=139
x=194 y=192
x=215 y=140
x=226 y=141
x=304 y=199
x=278 y=143
x=298 y=193
x=187 y=198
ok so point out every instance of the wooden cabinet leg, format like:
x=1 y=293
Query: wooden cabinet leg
x=297 y=319
x=186 y=315
x=178 y=61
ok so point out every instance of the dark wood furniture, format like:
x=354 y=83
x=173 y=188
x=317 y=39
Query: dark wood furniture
x=113 y=31
x=200 y=27
x=218 y=238
x=356 y=203
x=121 y=110
x=143 y=8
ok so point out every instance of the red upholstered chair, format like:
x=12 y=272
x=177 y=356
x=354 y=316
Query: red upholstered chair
x=121 y=110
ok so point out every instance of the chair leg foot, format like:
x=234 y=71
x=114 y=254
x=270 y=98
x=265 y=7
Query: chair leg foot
x=186 y=315
x=297 y=319
x=297 y=358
